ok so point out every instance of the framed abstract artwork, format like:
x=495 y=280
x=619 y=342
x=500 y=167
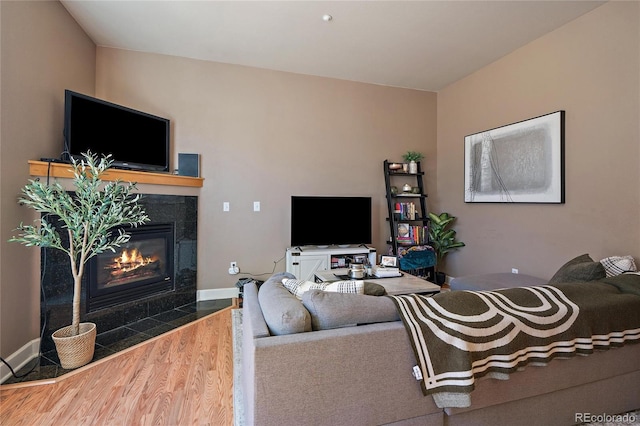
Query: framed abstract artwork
x=518 y=163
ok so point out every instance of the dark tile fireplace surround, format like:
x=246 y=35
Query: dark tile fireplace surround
x=182 y=212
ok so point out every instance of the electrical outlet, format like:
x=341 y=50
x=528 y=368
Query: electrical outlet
x=514 y=270
x=225 y=206
x=233 y=268
x=256 y=206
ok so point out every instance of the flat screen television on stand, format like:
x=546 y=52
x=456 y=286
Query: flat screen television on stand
x=325 y=221
x=135 y=139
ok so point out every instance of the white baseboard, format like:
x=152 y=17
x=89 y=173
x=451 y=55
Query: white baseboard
x=217 y=293
x=19 y=358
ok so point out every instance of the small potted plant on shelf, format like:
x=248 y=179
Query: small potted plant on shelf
x=412 y=157
x=89 y=217
x=443 y=240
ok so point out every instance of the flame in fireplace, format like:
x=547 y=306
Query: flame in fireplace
x=131 y=259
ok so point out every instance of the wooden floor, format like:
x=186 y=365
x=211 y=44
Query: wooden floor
x=184 y=377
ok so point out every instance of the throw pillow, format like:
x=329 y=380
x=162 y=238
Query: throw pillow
x=616 y=265
x=299 y=287
x=352 y=286
x=282 y=311
x=580 y=269
x=335 y=310
x=373 y=289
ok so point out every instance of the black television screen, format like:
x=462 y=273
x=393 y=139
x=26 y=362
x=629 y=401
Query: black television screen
x=324 y=221
x=135 y=139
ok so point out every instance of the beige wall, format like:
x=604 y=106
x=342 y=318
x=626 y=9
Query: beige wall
x=266 y=135
x=590 y=68
x=43 y=52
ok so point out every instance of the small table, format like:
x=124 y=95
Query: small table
x=405 y=284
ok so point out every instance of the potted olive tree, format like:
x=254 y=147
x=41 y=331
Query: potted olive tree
x=412 y=157
x=443 y=240
x=89 y=217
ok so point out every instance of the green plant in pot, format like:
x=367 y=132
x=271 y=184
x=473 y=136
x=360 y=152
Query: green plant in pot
x=89 y=218
x=443 y=240
x=412 y=157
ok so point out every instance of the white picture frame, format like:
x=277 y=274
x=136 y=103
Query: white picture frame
x=388 y=261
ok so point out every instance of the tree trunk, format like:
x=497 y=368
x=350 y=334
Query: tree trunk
x=75 y=323
x=77 y=270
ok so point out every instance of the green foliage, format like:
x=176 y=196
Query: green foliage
x=88 y=216
x=443 y=238
x=412 y=156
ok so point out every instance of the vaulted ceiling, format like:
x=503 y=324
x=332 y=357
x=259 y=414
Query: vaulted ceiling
x=423 y=45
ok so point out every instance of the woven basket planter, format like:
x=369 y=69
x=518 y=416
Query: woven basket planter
x=75 y=351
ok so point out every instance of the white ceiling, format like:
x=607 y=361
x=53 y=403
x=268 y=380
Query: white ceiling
x=422 y=45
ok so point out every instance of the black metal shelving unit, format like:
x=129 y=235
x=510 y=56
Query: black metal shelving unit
x=423 y=264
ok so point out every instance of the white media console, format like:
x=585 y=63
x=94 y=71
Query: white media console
x=303 y=262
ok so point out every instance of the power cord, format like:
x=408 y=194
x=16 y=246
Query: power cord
x=44 y=305
x=44 y=324
x=275 y=263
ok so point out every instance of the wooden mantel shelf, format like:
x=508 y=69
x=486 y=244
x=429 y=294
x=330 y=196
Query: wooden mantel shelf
x=62 y=170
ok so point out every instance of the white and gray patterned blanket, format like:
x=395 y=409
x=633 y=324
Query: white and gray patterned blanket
x=460 y=336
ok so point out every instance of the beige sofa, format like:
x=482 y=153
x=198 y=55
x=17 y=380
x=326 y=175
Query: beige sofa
x=361 y=375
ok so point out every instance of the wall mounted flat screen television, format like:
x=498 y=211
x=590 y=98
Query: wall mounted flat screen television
x=135 y=139
x=324 y=221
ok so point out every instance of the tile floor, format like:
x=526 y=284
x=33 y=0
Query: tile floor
x=110 y=342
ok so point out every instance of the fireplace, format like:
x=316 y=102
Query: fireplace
x=140 y=268
x=181 y=213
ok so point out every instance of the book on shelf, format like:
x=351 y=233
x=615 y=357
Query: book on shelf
x=412 y=234
x=405 y=211
x=338 y=262
x=404 y=233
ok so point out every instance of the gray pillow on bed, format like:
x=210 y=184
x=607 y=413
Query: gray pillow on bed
x=580 y=269
x=282 y=311
x=334 y=310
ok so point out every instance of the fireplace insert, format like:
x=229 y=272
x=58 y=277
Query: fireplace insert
x=140 y=268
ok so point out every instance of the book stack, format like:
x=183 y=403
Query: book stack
x=385 y=271
x=405 y=211
x=412 y=234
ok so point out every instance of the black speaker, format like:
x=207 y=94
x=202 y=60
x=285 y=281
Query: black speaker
x=189 y=164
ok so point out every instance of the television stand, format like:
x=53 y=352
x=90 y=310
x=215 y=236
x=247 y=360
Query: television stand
x=305 y=261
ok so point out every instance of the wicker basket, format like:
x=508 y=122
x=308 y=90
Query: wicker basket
x=75 y=351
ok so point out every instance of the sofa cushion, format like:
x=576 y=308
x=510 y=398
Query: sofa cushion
x=627 y=283
x=579 y=269
x=334 y=310
x=616 y=265
x=282 y=311
x=299 y=287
